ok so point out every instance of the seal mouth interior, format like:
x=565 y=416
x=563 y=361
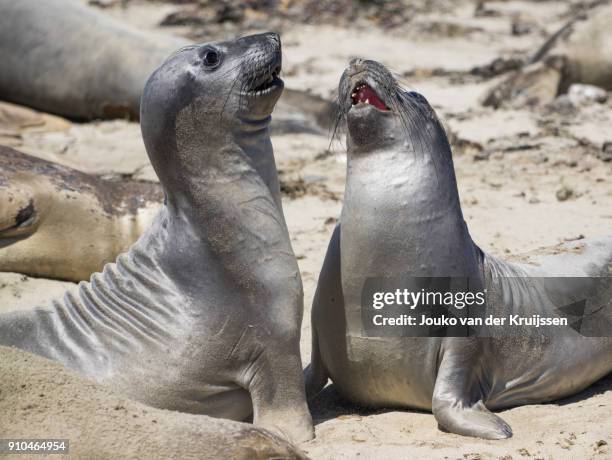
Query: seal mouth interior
x=364 y=94
x=270 y=81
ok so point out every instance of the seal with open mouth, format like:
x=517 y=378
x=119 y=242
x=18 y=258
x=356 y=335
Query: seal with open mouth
x=402 y=217
x=203 y=313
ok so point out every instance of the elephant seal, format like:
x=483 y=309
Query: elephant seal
x=203 y=313
x=402 y=216
x=576 y=53
x=52 y=61
x=57 y=222
x=63 y=57
x=38 y=401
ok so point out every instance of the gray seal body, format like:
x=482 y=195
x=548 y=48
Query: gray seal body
x=203 y=313
x=402 y=216
x=63 y=57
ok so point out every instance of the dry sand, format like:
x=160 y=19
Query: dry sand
x=40 y=399
x=527 y=178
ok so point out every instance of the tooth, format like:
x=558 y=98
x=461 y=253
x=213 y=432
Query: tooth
x=367 y=101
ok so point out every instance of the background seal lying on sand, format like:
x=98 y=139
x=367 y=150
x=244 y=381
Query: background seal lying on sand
x=62 y=57
x=578 y=52
x=203 y=313
x=42 y=400
x=56 y=222
x=402 y=217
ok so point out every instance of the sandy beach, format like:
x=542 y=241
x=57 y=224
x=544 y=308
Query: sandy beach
x=528 y=177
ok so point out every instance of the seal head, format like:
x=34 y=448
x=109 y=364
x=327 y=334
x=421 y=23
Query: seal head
x=57 y=222
x=220 y=95
x=378 y=111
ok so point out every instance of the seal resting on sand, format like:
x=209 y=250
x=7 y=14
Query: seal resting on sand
x=52 y=61
x=401 y=217
x=203 y=313
x=578 y=52
x=63 y=57
x=57 y=222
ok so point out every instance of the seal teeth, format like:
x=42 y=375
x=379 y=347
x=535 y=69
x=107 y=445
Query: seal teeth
x=267 y=82
x=364 y=94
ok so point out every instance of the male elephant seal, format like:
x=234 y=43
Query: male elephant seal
x=203 y=313
x=63 y=57
x=42 y=400
x=401 y=216
x=56 y=222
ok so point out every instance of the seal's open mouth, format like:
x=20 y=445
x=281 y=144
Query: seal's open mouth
x=363 y=93
x=268 y=82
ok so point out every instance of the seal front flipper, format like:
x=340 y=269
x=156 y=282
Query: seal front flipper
x=276 y=385
x=328 y=300
x=457 y=400
x=315 y=375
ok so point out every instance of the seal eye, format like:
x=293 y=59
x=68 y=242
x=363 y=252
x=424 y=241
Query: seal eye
x=211 y=58
x=418 y=96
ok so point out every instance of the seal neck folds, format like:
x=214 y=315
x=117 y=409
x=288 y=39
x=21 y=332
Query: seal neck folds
x=221 y=232
x=210 y=147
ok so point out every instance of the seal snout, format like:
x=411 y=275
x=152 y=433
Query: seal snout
x=264 y=65
x=269 y=80
x=373 y=106
x=364 y=79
